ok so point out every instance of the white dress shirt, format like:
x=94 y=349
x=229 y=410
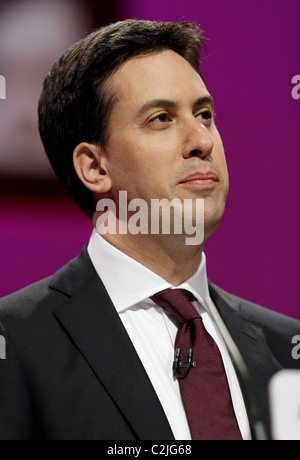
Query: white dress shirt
x=153 y=330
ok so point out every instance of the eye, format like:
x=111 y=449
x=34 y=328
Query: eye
x=206 y=115
x=161 y=118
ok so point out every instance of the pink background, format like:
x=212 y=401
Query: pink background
x=253 y=52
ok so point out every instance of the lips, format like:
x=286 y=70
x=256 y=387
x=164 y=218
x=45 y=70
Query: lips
x=201 y=177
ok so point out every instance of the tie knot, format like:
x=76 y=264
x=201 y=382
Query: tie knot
x=177 y=302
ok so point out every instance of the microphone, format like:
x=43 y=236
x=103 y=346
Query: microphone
x=257 y=426
x=187 y=365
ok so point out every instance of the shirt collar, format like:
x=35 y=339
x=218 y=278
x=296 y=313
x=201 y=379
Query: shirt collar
x=128 y=282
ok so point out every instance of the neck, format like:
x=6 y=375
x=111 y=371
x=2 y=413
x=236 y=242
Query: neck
x=166 y=255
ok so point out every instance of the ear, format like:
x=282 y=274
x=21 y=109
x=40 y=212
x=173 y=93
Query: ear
x=90 y=165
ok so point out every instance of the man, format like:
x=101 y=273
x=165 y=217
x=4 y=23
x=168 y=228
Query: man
x=90 y=350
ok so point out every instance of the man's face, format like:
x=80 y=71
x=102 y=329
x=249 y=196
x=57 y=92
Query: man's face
x=163 y=142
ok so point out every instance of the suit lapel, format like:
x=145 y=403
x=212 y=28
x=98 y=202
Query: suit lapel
x=92 y=322
x=251 y=342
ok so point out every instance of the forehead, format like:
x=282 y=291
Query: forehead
x=163 y=74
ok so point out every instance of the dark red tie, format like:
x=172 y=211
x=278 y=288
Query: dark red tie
x=199 y=368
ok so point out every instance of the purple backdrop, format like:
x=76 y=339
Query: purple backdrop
x=253 y=53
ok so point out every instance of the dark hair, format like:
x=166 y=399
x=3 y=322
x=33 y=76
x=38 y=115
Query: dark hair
x=75 y=104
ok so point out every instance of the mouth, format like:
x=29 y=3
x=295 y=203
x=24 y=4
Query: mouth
x=201 y=179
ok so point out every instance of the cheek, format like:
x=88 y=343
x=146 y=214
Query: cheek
x=146 y=155
x=223 y=168
x=134 y=165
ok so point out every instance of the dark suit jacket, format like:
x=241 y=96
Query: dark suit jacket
x=72 y=373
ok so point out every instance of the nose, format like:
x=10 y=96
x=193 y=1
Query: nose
x=197 y=139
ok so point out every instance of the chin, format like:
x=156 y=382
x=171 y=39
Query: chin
x=211 y=223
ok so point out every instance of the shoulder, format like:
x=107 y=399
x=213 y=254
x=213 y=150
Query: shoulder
x=28 y=317
x=257 y=314
x=20 y=303
x=278 y=330
x=45 y=295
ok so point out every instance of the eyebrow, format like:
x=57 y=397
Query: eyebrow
x=155 y=103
